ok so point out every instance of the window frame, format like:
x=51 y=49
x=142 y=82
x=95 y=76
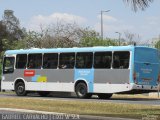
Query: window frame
x=34 y=61
x=120 y=67
x=26 y=61
x=4 y=60
x=59 y=65
x=103 y=56
x=84 y=67
x=56 y=60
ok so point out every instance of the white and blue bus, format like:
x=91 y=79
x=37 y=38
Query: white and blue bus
x=102 y=71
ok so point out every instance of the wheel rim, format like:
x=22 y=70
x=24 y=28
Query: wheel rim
x=82 y=91
x=20 y=89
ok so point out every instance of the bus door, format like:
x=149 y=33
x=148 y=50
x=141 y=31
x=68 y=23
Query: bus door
x=146 y=66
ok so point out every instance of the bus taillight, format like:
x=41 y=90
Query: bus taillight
x=135 y=77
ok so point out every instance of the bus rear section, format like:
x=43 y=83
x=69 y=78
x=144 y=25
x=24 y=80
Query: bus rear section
x=146 y=69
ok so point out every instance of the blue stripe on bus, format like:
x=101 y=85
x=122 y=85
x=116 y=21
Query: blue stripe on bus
x=87 y=75
x=59 y=50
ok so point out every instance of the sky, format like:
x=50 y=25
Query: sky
x=86 y=13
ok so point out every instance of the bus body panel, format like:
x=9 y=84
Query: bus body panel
x=57 y=75
x=146 y=66
x=112 y=88
x=112 y=76
x=97 y=80
x=146 y=74
x=87 y=75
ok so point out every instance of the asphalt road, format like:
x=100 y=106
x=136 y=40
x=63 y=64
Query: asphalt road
x=16 y=115
x=95 y=99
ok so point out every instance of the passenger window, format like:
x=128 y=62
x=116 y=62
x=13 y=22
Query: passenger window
x=8 y=65
x=50 y=60
x=84 y=60
x=66 y=60
x=34 y=61
x=121 y=60
x=21 y=61
x=102 y=60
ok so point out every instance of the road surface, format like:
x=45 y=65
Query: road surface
x=95 y=99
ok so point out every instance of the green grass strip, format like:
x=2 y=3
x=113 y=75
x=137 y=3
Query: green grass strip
x=81 y=107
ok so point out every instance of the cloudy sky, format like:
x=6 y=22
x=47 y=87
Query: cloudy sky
x=33 y=13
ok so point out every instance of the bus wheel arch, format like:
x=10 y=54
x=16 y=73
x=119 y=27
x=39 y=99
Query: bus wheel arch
x=81 y=89
x=19 y=87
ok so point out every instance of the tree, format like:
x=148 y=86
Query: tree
x=56 y=35
x=132 y=38
x=156 y=42
x=3 y=34
x=90 y=38
x=10 y=31
x=63 y=35
x=138 y=4
x=12 y=25
x=95 y=41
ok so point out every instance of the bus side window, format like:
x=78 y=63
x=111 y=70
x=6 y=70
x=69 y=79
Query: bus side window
x=102 y=60
x=34 y=61
x=50 y=60
x=8 y=65
x=121 y=60
x=21 y=61
x=84 y=60
x=66 y=60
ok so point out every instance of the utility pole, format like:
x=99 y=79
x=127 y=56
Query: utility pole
x=119 y=38
x=102 y=22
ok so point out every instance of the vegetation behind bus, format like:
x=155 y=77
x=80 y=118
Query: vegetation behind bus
x=13 y=36
x=62 y=35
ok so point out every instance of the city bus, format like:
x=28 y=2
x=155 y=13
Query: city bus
x=87 y=71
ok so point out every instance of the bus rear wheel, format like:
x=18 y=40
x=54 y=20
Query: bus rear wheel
x=104 y=96
x=20 y=89
x=81 y=91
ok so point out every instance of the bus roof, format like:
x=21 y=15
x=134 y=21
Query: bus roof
x=74 y=49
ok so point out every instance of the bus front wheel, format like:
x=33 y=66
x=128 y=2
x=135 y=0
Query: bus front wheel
x=104 y=96
x=20 y=89
x=81 y=91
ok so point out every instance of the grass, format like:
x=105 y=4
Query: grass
x=135 y=96
x=81 y=107
x=7 y=92
x=84 y=107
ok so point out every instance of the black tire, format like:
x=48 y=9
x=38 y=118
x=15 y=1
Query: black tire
x=81 y=91
x=104 y=96
x=20 y=89
x=43 y=93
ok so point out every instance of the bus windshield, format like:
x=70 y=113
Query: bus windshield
x=8 y=66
